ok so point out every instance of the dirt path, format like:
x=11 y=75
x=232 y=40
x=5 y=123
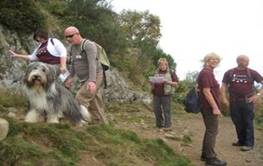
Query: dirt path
x=224 y=149
x=192 y=125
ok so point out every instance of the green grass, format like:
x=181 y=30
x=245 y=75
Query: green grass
x=61 y=144
x=123 y=147
x=10 y=99
x=34 y=143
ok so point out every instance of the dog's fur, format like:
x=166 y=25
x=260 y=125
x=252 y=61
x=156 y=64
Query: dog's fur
x=49 y=98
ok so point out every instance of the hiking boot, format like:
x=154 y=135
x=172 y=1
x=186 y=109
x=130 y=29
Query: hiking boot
x=167 y=129
x=246 y=148
x=215 y=162
x=237 y=144
x=203 y=158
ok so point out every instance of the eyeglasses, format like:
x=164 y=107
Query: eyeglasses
x=70 y=36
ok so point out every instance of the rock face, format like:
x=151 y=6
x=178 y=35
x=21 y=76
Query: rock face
x=118 y=89
x=4 y=128
x=11 y=70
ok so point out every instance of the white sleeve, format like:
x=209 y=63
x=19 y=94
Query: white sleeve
x=33 y=56
x=59 y=47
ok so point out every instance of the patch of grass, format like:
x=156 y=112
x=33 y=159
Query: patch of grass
x=60 y=144
x=53 y=143
x=121 y=146
x=130 y=113
x=187 y=139
x=127 y=107
x=161 y=154
x=10 y=99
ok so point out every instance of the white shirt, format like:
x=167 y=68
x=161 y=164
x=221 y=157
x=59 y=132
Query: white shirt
x=57 y=49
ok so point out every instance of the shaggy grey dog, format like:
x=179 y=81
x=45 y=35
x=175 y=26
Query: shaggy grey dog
x=50 y=99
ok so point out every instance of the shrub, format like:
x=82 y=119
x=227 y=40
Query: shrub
x=20 y=15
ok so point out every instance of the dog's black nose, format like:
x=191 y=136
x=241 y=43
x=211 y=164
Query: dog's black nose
x=36 y=77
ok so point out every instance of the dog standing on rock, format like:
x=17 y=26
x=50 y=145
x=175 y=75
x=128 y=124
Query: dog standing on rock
x=50 y=99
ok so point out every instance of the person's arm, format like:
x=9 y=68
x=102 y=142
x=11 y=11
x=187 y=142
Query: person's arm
x=30 y=57
x=174 y=80
x=91 y=52
x=62 y=53
x=260 y=93
x=256 y=96
x=209 y=97
x=63 y=64
x=172 y=83
x=255 y=76
x=21 y=56
x=223 y=94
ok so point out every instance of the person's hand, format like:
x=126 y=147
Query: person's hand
x=12 y=53
x=91 y=87
x=225 y=102
x=216 y=111
x=252 y=99
x=63 y=69
x=68 y=83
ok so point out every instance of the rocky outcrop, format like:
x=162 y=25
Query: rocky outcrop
x=118 y=89
x=12 y=69
x=4 y=128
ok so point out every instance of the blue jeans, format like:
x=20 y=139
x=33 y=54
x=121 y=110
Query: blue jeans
x=242 y=114
x=162 y=111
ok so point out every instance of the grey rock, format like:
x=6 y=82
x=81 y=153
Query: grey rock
x=4 y=128
x=11 y=115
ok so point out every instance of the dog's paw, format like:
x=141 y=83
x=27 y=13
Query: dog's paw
x=81 y=123
x=32 y=116
x=85 y=113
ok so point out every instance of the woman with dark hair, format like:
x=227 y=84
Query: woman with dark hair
x=50 y=51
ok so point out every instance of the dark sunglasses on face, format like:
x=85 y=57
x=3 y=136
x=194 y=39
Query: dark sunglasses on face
x=69 y=36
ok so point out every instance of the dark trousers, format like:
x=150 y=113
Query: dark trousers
x=242 y=114
x=162 y=111
x=211 y=130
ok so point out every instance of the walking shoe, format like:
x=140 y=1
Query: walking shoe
x=246 y=148
x=215 y=162
x=236 y=144
x=203 y=158
x=167 y=129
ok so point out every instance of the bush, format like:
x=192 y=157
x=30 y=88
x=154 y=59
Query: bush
x=20 y=15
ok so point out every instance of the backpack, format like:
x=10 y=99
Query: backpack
x=192 y=102
x=102 y=57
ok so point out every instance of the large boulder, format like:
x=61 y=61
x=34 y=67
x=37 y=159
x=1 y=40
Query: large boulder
x=4 y=128
x=118 y=90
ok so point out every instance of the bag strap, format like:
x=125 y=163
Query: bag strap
x=247 y=70
x=82 y=45
x=103 y=70
x=249 y=75
x=51 y=39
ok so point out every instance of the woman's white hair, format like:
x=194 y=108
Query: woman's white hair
x=211 y=55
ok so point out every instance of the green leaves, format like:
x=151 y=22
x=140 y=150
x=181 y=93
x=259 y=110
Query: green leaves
x=140 y=26
x=20 y=15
